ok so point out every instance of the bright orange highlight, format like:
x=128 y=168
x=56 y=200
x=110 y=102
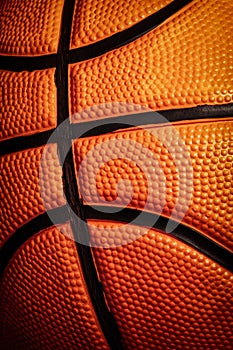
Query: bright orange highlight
x=98 y=19
x=186 y=62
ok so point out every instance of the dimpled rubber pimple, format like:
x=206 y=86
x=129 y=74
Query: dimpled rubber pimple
x=177 y=65
x=44 y=298
x=21 y=196
x=163 y=293
x=204 y=183
x=29 y=27
x=96 y=20
x=28 y=102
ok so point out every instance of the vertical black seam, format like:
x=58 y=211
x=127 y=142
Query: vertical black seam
x=79 y=228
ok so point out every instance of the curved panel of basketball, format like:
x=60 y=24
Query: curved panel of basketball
x=21 y=196
x=163 y=293
x=30 y=30
x=44 y=300
x=98 y=20
x=210 y=147
x=28 y=102
x=180 y=64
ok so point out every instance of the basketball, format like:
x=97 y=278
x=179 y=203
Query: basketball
x=116 y=133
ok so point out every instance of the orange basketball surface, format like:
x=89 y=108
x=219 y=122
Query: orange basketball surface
x=116 y=133
x=69 y=315
x=163 y=293
x=180 y=64
x=92 y=22
x=30 y=107
x=210 y=148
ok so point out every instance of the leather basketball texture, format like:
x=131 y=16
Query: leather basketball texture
x=99 y=72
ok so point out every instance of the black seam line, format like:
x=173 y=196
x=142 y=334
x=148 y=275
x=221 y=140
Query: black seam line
x=27 y=63
x=103 y=126
x=31 y=63
x=182 y=232
x=128 y=35
x=105 y=318
x=24 y=142
x=81 y=234
x=21 y=235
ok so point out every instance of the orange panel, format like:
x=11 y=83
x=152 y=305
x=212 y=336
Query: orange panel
x=185 y=62
x=202 y=185
x=30 y=27
x=96 y=20
x=28 y=102
x=164 y=294
x=44 y=298
x=21 y=198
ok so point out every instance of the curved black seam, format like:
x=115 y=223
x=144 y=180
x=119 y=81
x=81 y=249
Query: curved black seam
x=184 y=233
x=21 y=143
x=81 y=234
x=103 y=126
x=31 y=63
x=128 y=35
x=21 y=235
x=105 y=318
x=27 y=63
